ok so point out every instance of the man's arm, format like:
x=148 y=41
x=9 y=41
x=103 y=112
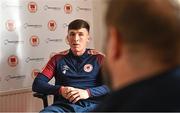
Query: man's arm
x=98 y=91
x=41 y=85
x=75 y=94
x=101 y=89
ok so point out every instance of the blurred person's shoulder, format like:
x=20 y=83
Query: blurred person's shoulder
x=110 y=104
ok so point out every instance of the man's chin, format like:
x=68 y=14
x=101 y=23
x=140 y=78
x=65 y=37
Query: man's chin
x=77 y=51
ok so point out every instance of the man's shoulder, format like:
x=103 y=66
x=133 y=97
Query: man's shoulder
x=99 y=56
x=95 y=52
x=65 y=52
x=60 y=55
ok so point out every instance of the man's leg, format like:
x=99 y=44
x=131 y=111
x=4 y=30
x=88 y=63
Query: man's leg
x=52 y=109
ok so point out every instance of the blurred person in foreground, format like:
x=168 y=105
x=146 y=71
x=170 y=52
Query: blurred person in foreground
x=143 y=55
x=78 y=82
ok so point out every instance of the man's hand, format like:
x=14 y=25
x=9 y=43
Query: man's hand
x=74 y=94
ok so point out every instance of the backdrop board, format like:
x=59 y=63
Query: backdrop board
x=31 y=32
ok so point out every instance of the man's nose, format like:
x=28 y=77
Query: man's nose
x=76 y=38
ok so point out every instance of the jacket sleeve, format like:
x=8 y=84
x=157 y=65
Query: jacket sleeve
x=98 y=91
x=41 y=85
x=101 y=88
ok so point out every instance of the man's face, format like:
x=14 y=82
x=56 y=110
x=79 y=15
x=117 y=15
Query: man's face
x=107 y=70
x=78 y=39
x=112 y=58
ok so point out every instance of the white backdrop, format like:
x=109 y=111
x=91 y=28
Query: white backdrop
x=31 y=31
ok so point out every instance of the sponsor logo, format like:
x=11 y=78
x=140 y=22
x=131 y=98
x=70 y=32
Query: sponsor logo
x=34 y=73
x=88 y=68
x=34 y=40
x=29 y=59
x=83 y=9
x=10 y=77
x=12 y=5
x=46 y=7
x=48 y=40
x=52 y=25
x=32 y=7
x=64 y=69
x=10 y=25
x=26 y=25
x=67 y=8
x=6 y=42
x=12 y=60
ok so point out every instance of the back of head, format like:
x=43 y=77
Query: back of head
x=154 y=24
x=78 y=24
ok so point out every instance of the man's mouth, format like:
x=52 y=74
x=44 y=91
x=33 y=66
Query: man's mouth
x=75 y=44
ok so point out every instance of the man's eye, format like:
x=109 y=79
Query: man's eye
x=72 y=34
x=81 y=34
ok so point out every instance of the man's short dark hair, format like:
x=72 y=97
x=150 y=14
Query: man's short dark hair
x=78 y=24
x=151 y=23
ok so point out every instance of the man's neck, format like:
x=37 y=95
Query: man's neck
x=79 y=53
x=133 y=71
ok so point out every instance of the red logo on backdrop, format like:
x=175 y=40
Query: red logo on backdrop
x=35 y=73
x=10 y=25
x=32 y=7
x=52 y=25
x=34 y=40
x=68 y=8
x=12 y=60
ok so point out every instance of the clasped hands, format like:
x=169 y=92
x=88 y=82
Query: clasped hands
x=74 y=94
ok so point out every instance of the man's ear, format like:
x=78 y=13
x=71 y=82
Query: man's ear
x=67 y=40
x=88 y=38
x=116 y=43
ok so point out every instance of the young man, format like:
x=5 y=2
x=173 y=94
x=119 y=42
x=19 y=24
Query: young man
x=78 y=84
x=143 y=55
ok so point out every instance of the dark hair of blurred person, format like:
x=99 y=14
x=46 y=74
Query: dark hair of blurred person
x=143 y=55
